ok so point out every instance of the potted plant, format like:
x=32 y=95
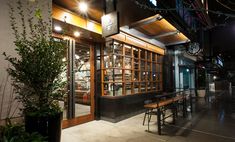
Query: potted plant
x=36 y=71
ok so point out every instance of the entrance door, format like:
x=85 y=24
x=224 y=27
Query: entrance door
x=83 y=79
x=80 y=76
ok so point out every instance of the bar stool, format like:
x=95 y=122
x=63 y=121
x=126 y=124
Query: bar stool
x=149 y=112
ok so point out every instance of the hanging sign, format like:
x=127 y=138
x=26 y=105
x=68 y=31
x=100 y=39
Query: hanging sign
x=110 y=24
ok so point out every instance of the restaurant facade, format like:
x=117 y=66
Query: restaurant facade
x=110 y=77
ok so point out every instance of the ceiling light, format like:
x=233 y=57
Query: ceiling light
x=58 y=28
x=76 y=34
x=83 y=7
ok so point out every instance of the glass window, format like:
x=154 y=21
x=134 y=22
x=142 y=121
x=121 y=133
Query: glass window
x=148 y=66
x=142 y=54
x=136 y=76
x=130 y=70
x=117 y=48
x=154 y=76
x=128 y=50
x=154 y=86
x=117 y=61
x=142 y=87
x=142 y=65
x=136 y=52
x=143 y=75
x=128 y=74
x=136 y=64
x=128 y=62
x=128 y=88
x=136 y=87
x=117 y=87
x=154 y=57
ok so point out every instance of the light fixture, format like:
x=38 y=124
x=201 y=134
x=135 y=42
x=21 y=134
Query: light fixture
x=187 y=70
x=214 y=77
x=58 y=28
x=83 y=6
x=77 y=34
x=64 y=59
x=76 y=56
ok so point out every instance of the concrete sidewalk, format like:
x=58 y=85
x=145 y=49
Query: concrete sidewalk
x=207 y=124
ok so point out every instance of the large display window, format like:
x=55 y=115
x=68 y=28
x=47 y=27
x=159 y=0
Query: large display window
x=127 y=69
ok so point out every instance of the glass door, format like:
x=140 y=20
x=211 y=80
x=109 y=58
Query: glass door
x=79 y=101
x=82 y=73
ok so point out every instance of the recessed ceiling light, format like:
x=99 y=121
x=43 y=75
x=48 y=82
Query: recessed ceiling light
x=58 y=28
x=77 y=34
x=83 y=6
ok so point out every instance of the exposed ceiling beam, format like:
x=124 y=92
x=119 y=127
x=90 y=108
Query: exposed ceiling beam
x=178 y=42
x=146 y=21
x=165 y=34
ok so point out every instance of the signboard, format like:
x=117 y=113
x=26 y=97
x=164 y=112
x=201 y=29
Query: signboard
x=110 y=24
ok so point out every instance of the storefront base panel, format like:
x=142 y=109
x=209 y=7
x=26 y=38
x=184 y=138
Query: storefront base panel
x=118 y=108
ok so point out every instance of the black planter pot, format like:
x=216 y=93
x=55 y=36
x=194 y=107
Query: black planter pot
x=48 y=126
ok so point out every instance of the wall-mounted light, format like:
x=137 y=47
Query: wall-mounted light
x=58 y=28
x=77 y=34
x=187 y=70
x=83 y=6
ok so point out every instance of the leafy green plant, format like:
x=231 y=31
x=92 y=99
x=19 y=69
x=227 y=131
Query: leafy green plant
x=16 y=133
x=36 y=69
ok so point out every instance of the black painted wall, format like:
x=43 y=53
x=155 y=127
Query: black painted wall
x=118 y=108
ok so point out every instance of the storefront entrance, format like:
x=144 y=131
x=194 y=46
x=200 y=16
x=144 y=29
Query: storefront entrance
x=79 y=102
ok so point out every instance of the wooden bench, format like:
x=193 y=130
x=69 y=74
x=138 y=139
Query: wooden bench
x=160 y=104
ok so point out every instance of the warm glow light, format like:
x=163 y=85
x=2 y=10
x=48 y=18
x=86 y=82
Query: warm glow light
x=77 y=57
x=58 y=28
x=77 y=34
x=64 y=59
x=83 y=7
x=90 y=26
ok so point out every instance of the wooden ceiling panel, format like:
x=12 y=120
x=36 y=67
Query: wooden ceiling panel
x=157 y=28
x=173 y=38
